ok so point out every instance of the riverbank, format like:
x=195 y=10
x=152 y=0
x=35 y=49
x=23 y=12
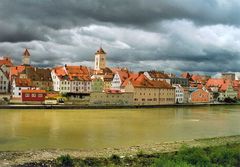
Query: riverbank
x=11 y=158
x=40 y=106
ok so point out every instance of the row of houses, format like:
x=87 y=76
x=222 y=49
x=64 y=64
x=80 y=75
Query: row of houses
x=111 y=86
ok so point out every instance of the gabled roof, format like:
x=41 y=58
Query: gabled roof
x=225 y=85
x=158 y=75
x=123 y=73
x=6 y=61
x=4 y=73
x=26 y=53
x=73 y=73
x=186 y=75
x=23 y=82
x=100 y=51
x=141 y=81
x=215 y=82
x=14 y=71
x=37 y=74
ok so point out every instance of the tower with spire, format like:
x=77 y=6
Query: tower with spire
x=100 y=59
x=26 y=57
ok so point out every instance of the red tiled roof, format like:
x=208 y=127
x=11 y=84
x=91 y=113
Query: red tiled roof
x=6 y=61
x=110 y=91
x=23 y=82
x=34 y=91
x=200 y=78
x=16 y=70
x=141 y=81
x=158 y=75
x=215 y=82
x=73 y=73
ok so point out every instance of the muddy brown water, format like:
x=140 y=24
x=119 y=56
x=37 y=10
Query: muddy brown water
x=99 y=128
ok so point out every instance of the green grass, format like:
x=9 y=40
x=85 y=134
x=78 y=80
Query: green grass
x=220 y=156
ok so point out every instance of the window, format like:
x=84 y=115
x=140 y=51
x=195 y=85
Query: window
x=33 y=95
x=27 y=95
x=40 y=95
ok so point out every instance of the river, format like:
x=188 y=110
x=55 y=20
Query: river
x=99 y=128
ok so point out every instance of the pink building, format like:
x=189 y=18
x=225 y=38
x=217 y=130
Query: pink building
x=200 y=96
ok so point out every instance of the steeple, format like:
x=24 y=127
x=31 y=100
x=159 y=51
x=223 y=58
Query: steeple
x=26 y=57
x=100 y=51
x=26 y=53
x=100 y=59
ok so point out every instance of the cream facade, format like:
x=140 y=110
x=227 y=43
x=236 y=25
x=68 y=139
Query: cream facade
x=4 y=82
x=111 y=98
x=151 y=96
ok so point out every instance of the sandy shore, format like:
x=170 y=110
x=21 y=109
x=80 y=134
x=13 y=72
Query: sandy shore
x=9 y=158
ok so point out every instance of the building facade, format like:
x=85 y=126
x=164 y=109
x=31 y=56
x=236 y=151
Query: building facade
x=111 y=97
x=71 y=79
x=181 y=81
x=179 y=93
x=19 y=84
x=33 y=96
x=200 y=96
x=4 y=82
x=148 y=92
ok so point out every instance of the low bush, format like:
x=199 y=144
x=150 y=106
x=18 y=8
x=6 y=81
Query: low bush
x=115 y=159
x=64 y=161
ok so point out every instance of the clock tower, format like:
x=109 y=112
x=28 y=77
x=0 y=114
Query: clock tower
x=100 y=59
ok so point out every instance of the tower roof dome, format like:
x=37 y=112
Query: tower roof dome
x=26 y=53
x=100 y=51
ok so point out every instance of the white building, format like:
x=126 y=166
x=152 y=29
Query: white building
x=71 y=79
x=179 y=93
x=120 y=76
x=20 y=84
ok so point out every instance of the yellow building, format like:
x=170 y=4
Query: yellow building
x=111 y=98
x=147 y=92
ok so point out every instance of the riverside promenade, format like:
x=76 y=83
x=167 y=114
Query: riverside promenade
x=63 y=106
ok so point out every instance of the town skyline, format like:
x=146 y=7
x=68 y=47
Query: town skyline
x=154 y=35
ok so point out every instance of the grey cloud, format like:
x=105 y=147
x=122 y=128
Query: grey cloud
x=176 y=35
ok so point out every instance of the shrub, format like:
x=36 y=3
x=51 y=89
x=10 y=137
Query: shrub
x=225 y=157
x=89 y=161
x=115 y=159
x=163 y=162
x=64 y=161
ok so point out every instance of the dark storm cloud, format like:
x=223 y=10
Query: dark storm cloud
x=167 y=34
x=62 y=14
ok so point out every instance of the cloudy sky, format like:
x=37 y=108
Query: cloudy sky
x=173 y=35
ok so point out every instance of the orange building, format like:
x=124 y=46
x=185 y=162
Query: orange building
x=200 y=96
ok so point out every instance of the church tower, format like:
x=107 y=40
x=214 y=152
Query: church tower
x=100 y=59
x=26 y=57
